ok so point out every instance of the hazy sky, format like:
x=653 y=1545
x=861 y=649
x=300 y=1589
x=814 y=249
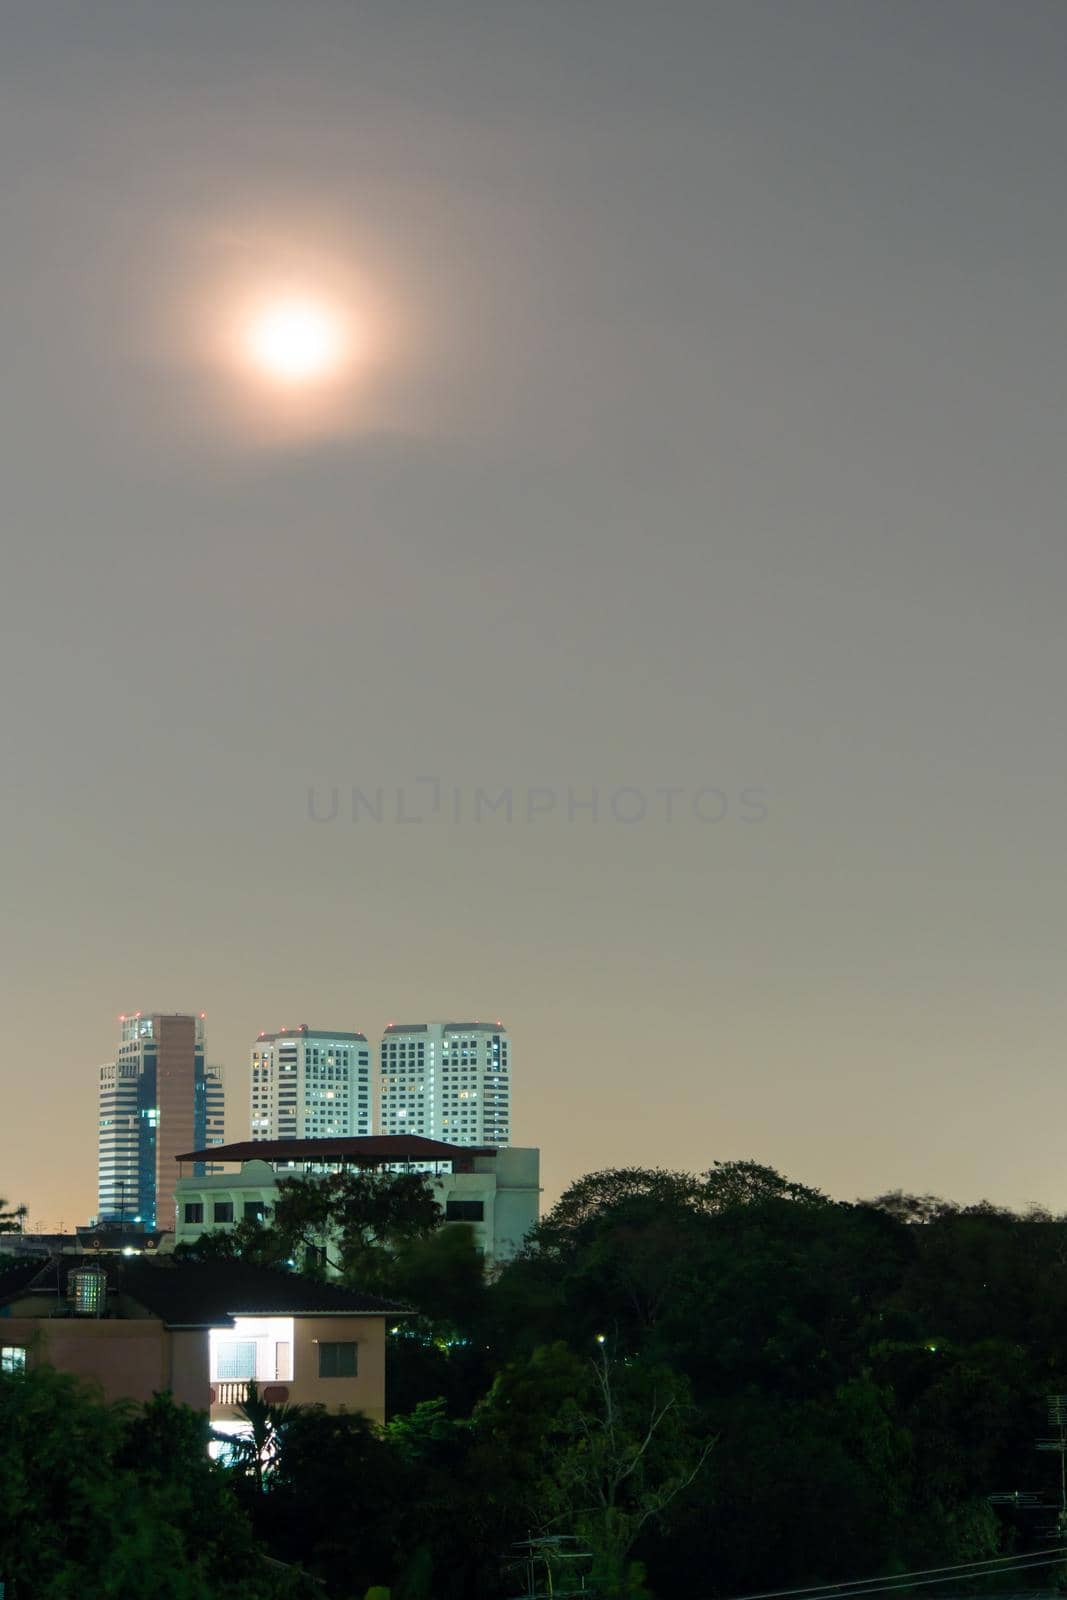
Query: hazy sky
x=709 y=435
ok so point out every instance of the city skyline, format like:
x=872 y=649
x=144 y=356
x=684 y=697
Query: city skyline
x=48 y=1217
x=553 y=508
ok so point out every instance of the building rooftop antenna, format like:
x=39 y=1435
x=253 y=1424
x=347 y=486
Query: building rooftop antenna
x=543 y=1560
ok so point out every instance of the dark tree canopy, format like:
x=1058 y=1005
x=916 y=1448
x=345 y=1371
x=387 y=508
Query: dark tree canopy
x=11 y=1219
x=357 y=1219
x=105 y=1500
x=869 y=1373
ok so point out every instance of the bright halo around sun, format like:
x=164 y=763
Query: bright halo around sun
x=284 y=335
x=297 y=342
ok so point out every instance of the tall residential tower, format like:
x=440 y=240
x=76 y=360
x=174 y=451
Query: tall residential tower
x=310 y=1084
x=157 y=1099
x=446 y=1080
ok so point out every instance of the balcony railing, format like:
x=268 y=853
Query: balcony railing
x=231 y=1394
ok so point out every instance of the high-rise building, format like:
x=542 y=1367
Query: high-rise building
x=309 y=1083
x=154 y=1098
x=446 y=1080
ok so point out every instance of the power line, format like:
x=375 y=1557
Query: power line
x=992 y=1572
x=898 y=1577
x=848 y=1586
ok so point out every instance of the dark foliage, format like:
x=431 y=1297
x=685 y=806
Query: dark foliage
x=104 y=1500
x=715 y=1384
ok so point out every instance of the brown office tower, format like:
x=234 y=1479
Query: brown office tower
x=157 y=1100
x=176 y=1100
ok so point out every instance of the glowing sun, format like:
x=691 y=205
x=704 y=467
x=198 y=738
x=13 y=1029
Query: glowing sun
x=297 y=341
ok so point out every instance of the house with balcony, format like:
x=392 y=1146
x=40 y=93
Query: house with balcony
x=495 y=1190
x=201 y=1330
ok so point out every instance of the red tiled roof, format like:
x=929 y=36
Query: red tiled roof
x=359 y=1151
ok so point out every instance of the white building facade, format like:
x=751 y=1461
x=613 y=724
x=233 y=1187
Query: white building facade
x=446 y=1080
x=496 y=1192
x=310 y=1084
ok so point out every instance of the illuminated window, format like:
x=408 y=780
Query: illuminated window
x=236 y=1360
x=12 y=1358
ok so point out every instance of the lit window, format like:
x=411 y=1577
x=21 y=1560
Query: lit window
x=235 y=1359
x=12 y=1358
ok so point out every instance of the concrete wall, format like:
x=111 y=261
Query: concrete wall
x=128 y=1360
x=255 y=1181
x=518 y=1197
x=366 y=1391
x=188 y=1372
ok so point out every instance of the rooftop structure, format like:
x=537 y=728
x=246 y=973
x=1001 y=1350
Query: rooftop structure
x=375 y=1150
